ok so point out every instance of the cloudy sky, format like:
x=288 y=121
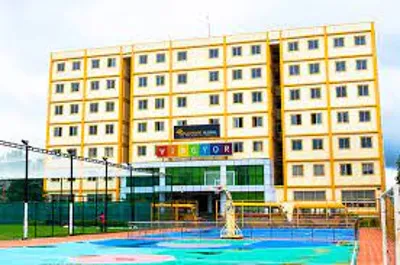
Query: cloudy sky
x=30 y=30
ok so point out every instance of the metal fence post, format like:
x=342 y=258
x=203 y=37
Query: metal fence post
x=71 y=194
x=26 y=212
x=106 y=196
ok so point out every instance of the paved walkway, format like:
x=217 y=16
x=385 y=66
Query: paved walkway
x=370 y=252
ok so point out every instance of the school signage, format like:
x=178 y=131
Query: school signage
x=196 y=131
x=194 y=150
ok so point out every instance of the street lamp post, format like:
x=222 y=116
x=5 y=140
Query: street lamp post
x=25 y=232
x=106 y=195
x=71 y=192
x=132 y=201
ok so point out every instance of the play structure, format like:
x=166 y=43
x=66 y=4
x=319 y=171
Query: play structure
x=253 y=212
x=177 y=211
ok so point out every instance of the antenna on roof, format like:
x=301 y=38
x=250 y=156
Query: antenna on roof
x=206 y=19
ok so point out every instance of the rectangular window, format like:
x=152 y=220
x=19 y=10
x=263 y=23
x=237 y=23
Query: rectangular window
x=293 y=46
x=74 y=109
x=59 y=88
x=315 y=93
x=313 y=44
x=367 y=168
x=111 y=62
x=319 y=170
x=142 y=127
x=238 y=122
x=313 y=68
x=340 y=66
x=344 y=143
x=316 y=118
x=143 y=59
x=213 y=76
x=295 y=119
x=237 y=97
x=94 y=107
x=94 y=85
x=110 y=84
x=237 y=74
x=159 y=103
x=95 y=63
x=213 y=53
x=93 y=130
x=359 y=40
x=160 y=57
x=309 y=196
x=76 y=66
x=255 y=49
x=73 y=130
x=359 y=198
x=141 y=150
x=160 y=80
x=142 y=104
x=297 y=145
x=110 y=106
x=364 y=116
x=294 y=94
x=297 y=170
x=182 y=78
x=109 y=128
x=361 y=64
x=341 y=91
x=346 y=170
x=238 y=147
x=214 y=99
x=182 y=102
x=237 y=51
x=256 y=97
x=366 y=142
x=92 y=152
x=257 y=121
x=256 y=73
x=57 y=132
x=338 y=42
x=58 y=110
x=317 y=144
x=182 y=56
x=143 y=81
x=60 y=67
x=213 y=121
x=343 y=117
x=182 y=122
x=363 y=90
x=257 y=146
x=108 y=151
x=294 y=69
x=74 y=87
x=159 y=126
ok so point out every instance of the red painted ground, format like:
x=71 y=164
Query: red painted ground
x=370 y=252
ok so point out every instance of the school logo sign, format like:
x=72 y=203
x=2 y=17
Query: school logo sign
x=196 y=131
x=194 y=150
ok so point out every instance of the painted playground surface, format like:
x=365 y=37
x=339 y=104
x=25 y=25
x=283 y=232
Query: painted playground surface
x=260 y=246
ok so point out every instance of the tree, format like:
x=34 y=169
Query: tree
x=398 y=170
x=15 y=191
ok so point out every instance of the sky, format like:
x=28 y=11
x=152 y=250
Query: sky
x=30 y=30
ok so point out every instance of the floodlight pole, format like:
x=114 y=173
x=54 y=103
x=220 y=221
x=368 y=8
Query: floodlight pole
x=106 y=197
x=25 y=232
x=71 y=194
x=131 y=191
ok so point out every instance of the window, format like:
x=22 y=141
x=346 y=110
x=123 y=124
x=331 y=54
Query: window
x=315 y=93
x=58 y=110
x=255 y=49
x=317 y=144
x=142 y=127
x=297 y=145
x=238 y=147
x=293 y=46
x=141 y=151
x=74 y=109
x=343 y=117
x=237 y=74
x=257 y=121
x=143 y=104
x=214 y=99
x=367 y=168
x=95 y=63
x=59 y=88
x=213 y=121
x=182 y=122
x=60 y=67
x=344 y=143
x=256 y=73
x=341 y=91
x=76 y=65
x=94 y=85
x=237 y=97
x=238 y=122
x=182 y=56
x=92 y=152
x=256 y=97
x=57 y=132
x=160 y=80
x=295 y=119
x=364 y=116
x=361 y=64
x=359 y=198
x=359 y=40
x=73 y=130
x=93 y=130
x=143 y=81
x=363 y=90
x=182 y=78
x=110 y=106
x=160 y=57
x=94 y=107
x=159 y=103
x=340 y=66
x=74 y=87
x=213 y=53
x=316 y=118
x=110 y=84
x=213 y=76
x=366 y=142
x=143 y=59
x=257 y=146
x=313 y=44
x=236 y=51
x=297 y=170
x=159 y=126
x=294 y=94
x=338 y=42
x=111 y=62
x=109 y=128
x=346 y=170
x=108 y=151
x=319 y=170
x=313 y=68
x=182 y=102
x=294 y=69
x=309 y=196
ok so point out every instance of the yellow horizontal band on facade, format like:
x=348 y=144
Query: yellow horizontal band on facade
x=54 y=191
x=265 y=136
x=327 y=134
x=87 y=122
x=331 y=82
x=311 y=36
x=347 y=159
x=336 y=186
x=76 y=58
x=58 y=80
x=83 y=144
x=81 y=100
x=333 y=108
x=329 y=58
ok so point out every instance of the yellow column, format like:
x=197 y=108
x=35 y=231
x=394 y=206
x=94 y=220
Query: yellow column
x=82 y=153
x=281 y=69
x=49 y=93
